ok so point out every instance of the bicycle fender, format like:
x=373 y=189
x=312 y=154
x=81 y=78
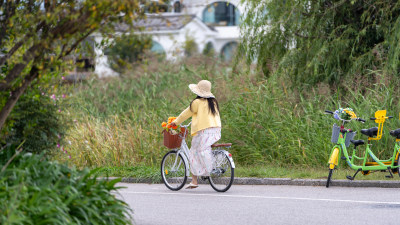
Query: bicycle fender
x=229 y=155
x=185 y=159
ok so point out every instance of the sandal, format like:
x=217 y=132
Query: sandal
x=192 y=186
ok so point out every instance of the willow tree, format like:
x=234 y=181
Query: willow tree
x=322 y=40
x=37 y=35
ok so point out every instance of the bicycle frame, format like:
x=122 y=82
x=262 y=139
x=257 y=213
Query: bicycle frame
x=184 y=152
x=378 y=164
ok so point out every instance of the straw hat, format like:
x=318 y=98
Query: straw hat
x=202 y=89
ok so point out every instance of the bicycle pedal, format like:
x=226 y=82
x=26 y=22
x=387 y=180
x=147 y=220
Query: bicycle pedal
x=389 y=176
x=349 y=177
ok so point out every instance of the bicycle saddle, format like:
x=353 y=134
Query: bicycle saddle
x=370 y=132
x=395 y=133
x=357 y=142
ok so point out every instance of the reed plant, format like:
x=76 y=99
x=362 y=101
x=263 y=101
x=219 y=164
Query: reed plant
x=268 y=120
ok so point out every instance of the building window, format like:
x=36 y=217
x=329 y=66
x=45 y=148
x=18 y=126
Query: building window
x=157 y=48
x=177 y=7
x=228 y=51
x=221 y=14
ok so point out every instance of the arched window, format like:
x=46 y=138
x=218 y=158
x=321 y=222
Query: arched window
x=177 y=7
x=157 y=48
x=228 y=51
x=221 y=14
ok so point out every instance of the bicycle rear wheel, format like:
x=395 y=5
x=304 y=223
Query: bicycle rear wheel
x=173 y=171
x=222 y=175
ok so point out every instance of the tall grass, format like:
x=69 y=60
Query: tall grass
x=118 y=120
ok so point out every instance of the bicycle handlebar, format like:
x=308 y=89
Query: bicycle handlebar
x=187 y=125
x=358 y=119
x=361 y=120
x=389 y=117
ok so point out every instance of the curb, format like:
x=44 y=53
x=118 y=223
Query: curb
x=285 y=181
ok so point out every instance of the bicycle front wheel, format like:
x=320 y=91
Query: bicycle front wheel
x=173 y=171
x=222 y=175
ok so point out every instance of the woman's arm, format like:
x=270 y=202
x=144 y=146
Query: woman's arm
x=186 y=113
x=182 y=117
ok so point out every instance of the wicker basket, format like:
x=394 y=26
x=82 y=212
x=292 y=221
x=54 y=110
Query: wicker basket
x=336 y=132
x=172 y=140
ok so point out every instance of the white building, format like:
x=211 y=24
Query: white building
x=206 y=25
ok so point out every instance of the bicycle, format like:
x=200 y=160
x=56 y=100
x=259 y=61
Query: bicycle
x=342 y=138
x=175 y=166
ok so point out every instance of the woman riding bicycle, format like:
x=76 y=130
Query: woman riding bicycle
x=205 y=129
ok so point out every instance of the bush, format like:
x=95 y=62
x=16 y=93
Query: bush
x=36 y=121
x=34 y=190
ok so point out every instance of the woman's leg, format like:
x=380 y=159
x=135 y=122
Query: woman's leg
x=200 y=155
x=194 y=180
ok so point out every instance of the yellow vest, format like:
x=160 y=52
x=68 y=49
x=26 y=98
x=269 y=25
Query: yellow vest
x=202 y=117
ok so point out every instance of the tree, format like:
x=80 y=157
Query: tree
x=127 y=49
x=322 y=41
x=36 y=35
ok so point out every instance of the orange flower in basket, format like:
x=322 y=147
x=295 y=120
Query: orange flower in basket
x=169 y=126
x=164 y=124
x=175 y=127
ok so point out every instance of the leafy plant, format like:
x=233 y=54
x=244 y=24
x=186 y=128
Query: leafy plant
x=37 y=121
x=34 y=190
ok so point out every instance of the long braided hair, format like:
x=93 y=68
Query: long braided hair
x=212 y=105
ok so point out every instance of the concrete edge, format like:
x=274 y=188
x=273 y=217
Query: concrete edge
x=285 y=181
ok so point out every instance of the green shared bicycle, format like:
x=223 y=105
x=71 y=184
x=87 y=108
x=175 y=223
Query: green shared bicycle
x=342 y=138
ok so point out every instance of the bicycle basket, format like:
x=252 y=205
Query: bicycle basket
x=173 y=140
x=336 y=133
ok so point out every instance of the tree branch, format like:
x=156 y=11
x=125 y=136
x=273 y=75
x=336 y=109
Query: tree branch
x=75 y=44
x=19 y=44
x=17 y=69
x=16 y=94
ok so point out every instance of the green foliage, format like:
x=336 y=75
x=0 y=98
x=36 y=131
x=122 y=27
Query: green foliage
x=126 y=50
x=37 y=191
x=36 y=122
x=209 y=50
x=119 y=121
x=36 y=37
x=322 y=41
x=190 y=46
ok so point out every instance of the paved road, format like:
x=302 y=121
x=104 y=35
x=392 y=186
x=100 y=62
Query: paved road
x=154 y=204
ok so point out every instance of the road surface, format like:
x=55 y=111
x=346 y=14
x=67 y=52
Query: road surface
x=154 y=204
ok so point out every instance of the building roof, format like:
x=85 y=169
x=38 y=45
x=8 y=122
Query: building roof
x=162 y=22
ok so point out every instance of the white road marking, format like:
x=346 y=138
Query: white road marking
x=263 y=197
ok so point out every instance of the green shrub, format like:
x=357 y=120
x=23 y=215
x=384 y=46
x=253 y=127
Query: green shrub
x=36 y=191
x=37 y=122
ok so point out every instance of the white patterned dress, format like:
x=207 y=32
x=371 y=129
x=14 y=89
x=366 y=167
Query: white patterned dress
x=200 y=155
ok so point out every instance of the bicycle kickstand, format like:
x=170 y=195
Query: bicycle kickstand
x=352 y=177
x=390 y=171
